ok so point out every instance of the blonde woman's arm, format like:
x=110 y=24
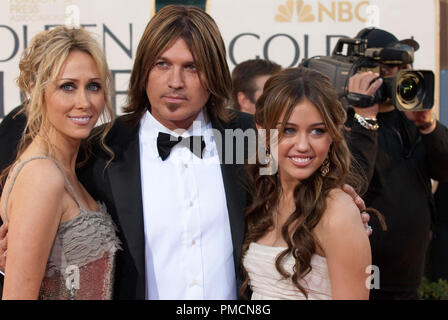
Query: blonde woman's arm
x=34 y=213
x=343 y=238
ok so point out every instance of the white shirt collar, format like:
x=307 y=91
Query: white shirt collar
x=150 y=128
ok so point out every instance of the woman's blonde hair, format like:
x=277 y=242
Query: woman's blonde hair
x=41 y=63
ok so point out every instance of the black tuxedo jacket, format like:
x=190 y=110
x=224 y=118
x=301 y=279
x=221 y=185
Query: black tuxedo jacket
x=11 y=129
x=119 y=186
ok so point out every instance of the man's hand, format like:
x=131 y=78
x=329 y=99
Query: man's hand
x=365 y=83
x=3 y=246
x=365 y=217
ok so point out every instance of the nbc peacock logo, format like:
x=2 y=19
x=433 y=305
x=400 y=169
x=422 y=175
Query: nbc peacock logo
x=336 y=11
x=286 y=12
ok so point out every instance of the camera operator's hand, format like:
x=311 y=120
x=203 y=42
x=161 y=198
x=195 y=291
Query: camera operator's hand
x=424 y=120
x=362 y=83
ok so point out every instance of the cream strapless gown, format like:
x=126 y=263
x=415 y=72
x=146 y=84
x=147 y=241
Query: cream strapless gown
x=267 y=283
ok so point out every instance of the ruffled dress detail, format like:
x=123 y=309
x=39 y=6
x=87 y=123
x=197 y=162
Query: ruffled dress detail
x=81 y=264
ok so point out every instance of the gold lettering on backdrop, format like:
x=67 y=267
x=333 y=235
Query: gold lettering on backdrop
x=345 y=11
x=304 y=12
x=23 y=9
x=285 y=11
x=322 y=9
x=357 y=10
x=37 y=10
x=337 y=11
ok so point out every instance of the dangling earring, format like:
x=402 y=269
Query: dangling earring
x=271 y=165
x=325 y=167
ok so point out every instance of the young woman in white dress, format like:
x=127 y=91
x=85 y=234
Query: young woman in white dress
x=305 y=238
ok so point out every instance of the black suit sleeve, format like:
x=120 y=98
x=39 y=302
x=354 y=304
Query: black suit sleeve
x=363 y=145
x=11 y=129
x=436 y=145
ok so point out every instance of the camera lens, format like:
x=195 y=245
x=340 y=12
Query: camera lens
x=408 y=89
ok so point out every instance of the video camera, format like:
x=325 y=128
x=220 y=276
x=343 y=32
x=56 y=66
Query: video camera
x=409 y=90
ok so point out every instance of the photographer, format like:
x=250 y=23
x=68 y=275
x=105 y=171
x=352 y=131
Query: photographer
x=400 y=152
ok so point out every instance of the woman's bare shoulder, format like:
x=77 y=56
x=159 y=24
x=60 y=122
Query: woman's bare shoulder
x=40 y=175
x=340 y=214
x=38 y=185
x=341 y=206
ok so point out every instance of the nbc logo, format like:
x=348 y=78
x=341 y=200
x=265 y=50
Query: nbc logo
x=286 y=11
x=337 y=11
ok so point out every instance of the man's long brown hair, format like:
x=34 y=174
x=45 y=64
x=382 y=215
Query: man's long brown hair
x=204 y=40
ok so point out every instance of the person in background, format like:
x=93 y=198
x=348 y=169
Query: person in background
x=248 y=79
x=400 y=152
x=56 y=230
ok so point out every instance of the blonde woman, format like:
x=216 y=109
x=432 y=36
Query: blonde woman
x=61 y=242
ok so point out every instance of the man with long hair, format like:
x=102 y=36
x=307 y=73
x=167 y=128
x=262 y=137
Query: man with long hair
x=180 y=214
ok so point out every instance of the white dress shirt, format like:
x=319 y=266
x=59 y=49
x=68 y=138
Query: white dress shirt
x=188 y=243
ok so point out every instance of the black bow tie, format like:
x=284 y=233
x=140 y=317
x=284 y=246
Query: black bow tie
x=165 y=142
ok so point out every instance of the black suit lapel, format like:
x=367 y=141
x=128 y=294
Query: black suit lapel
x=235 y=194
x=125 y=183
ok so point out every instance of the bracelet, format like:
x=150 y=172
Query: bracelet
x=426 y=125
x=366 y=122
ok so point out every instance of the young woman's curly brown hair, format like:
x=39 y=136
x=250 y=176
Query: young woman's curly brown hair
x=282 y=93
